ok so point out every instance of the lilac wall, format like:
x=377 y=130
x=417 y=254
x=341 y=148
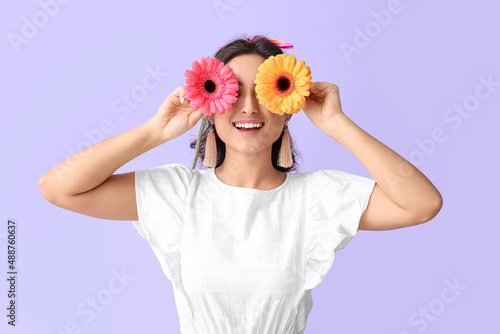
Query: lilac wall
x=402 y=78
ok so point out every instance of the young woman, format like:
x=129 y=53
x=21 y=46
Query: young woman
x=244 y=242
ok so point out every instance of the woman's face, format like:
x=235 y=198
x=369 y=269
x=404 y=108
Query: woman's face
x=247 y=108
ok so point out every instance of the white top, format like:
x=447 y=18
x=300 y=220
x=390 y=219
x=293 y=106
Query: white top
x=244 y=260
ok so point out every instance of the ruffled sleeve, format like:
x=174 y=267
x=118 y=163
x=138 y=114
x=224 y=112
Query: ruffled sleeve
x=160 y=195
x=337 y=200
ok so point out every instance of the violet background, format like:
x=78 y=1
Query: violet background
x=63 y=82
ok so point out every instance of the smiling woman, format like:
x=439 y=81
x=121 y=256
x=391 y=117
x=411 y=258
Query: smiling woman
x=245 y=242
x=257 y=50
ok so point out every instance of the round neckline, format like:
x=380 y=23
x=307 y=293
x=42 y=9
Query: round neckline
x=217 y=180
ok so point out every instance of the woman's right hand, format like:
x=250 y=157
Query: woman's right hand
x=173 y=118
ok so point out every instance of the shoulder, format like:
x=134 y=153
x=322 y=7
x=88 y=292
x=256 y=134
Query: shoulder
x=166 y=170
x=169 y=175
x=337 y=176
x=326 y=182
x=325 y=175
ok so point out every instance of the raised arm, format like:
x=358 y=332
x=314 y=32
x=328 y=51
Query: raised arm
x=85 y=182
x=402 y=196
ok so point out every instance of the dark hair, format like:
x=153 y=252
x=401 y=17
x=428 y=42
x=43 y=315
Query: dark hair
x=242 y=46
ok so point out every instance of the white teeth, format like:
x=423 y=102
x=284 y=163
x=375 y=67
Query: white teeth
x=248 y=125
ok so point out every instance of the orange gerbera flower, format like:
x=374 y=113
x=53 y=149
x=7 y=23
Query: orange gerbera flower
x=282 y=84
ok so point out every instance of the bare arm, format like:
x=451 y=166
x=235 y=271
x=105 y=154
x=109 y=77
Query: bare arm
x=402 y=196
x=91 y=166
x=85 y=182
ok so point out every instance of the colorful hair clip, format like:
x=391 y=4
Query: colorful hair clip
x=277 y=42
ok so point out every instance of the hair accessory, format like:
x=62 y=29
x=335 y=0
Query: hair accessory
x=277 y=42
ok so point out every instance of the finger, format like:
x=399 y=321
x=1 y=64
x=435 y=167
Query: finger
x=318 y=86
x=319 y=90
x=181 y=93
x=195 y=116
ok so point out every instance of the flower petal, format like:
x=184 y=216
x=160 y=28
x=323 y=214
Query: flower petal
x=224 y=78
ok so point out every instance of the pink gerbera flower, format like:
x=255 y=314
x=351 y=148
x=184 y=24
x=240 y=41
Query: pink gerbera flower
x=211 y=85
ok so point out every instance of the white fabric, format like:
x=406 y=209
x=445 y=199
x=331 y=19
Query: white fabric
x=243 y=260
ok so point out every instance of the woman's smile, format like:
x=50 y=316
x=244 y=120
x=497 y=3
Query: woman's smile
x=248 y=127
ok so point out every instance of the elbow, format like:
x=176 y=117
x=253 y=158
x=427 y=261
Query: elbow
x=432 y=210
x=45 y=190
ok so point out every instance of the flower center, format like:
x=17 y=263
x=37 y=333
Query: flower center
x=283 y=85
x=209 y=86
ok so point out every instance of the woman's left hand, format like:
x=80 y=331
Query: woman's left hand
x=323 y=104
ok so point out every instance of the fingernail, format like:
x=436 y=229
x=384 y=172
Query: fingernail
x=182 y=100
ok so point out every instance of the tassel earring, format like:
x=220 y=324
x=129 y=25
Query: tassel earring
x=285 y=158
x=210 y=159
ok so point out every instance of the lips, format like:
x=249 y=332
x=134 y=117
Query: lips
x=234 y=124
x=248 y=130
x=249 y=122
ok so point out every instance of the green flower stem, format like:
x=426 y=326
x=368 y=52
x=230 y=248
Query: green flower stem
x=198 y=142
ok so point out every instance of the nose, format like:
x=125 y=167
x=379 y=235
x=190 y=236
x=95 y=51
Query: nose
x=249 y=103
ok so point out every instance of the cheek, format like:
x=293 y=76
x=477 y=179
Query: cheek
x=275 y=131
x=223 y=128
x=277 y=124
